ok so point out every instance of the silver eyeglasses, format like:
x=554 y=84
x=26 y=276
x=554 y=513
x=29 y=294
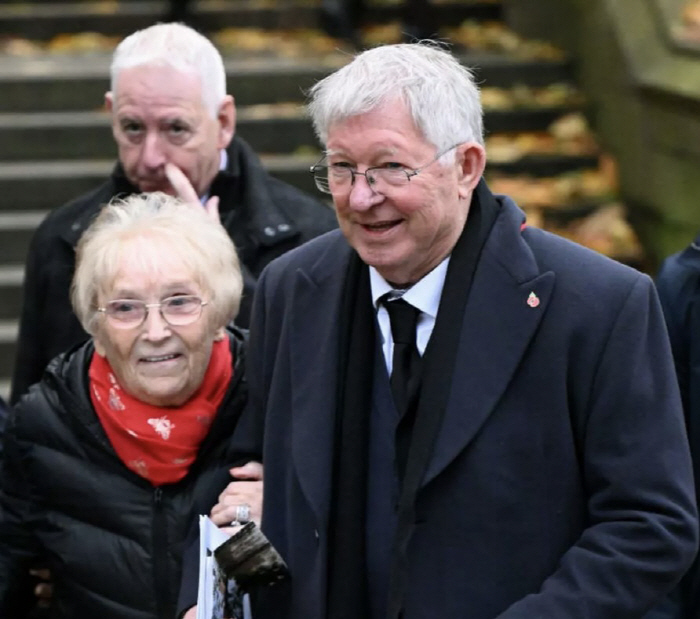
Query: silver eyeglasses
x=176 y=311
x=338 y=179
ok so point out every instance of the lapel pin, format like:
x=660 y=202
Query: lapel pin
x=533 y=300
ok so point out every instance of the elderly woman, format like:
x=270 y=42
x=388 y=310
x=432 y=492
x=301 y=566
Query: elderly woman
x=106 y=457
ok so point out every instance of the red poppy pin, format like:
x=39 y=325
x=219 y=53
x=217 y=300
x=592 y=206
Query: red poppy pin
x=533 y=300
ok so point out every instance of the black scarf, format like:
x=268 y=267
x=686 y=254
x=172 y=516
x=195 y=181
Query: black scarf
x=347 y=586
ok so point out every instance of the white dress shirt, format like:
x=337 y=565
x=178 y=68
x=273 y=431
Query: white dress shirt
x=424 y=295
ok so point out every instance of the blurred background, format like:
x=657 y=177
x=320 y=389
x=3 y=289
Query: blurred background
x=592 y=106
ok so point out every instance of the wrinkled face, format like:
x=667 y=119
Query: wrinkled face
x=156 y=363
x=158 y=116
x=405 y=231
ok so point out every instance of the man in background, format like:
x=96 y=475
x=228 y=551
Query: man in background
x=3 y=418
x=169 y=105
x=678 y=283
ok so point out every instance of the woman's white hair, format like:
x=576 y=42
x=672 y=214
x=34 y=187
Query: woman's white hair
x=203 y=246
x=440 y=94
x=179 y=47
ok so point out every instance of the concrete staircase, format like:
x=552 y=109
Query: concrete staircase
x=55 y=140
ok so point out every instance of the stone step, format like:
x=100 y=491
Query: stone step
x=544 y=165
x=11 y=278
x=45 y=20
x=59 y=181
x=281 y=129
x=16 y=229
x=69 y=83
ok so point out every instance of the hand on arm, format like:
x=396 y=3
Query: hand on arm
x=44 y=589
x=246 y=489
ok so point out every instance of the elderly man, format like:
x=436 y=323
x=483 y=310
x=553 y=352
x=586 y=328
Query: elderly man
x=464 y=417
x=169 y=105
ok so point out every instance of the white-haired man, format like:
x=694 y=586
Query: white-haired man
x=169 y=105
x=464 y=417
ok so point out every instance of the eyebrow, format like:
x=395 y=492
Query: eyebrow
x=128 y=293
x=379 y=153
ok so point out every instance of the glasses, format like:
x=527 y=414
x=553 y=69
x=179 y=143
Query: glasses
x=338 y=179
x=176 y=311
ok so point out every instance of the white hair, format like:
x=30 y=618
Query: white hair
x=179 y=47
x=441 y=95
x=158 y=220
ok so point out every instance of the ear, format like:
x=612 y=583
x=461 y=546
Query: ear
x=227 y=121
x=471 y=161
x=109 y=106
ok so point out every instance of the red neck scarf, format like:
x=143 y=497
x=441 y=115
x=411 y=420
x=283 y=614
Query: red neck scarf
x=159 y=443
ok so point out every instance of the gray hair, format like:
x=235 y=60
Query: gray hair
x=179 y=47
x=203 y=244
x=440 y=94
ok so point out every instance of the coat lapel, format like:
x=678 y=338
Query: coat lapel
x=508 y=299
x=506 y=304
x=314 y=337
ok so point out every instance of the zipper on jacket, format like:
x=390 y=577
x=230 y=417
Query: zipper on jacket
x=161 y=558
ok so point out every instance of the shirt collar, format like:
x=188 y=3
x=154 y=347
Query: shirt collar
x=424 y=294
x=223 y=162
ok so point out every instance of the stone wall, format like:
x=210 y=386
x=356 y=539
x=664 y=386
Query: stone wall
x=644 y=94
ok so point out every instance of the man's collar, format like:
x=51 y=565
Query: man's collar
x=223 y=163
x=424 y=294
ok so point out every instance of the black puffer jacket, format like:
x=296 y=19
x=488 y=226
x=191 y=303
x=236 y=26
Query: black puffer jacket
x=113 y=541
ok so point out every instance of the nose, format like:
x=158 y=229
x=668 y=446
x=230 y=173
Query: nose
x=362 y=195
x=155 y=328
x=152 y=153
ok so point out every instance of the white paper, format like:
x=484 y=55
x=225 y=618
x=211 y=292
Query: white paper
x=212 y=582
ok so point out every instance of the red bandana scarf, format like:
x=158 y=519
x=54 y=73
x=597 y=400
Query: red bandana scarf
x=159 y=443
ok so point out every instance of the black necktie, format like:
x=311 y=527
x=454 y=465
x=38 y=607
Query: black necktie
x=406 y=360
x=405 y=373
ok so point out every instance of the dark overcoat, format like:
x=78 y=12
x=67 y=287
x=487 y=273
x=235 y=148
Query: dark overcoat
x=678 y=283
x=560 y=484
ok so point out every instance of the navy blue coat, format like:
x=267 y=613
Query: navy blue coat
x=678 y=283
x=560 y=485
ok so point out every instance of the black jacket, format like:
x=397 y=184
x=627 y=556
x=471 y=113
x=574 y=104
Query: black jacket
x=113 y=541
x=3 y=418
x=264 y=216
x=678 y=283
